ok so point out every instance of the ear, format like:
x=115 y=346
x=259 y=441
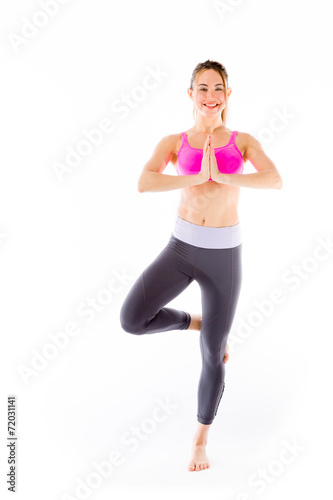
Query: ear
x=190 y=93
x=229 y=90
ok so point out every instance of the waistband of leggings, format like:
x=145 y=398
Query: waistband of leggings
x=207 y=237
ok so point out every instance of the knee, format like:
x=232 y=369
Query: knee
x=214 y=356
x=128 y=323
x=130 y=327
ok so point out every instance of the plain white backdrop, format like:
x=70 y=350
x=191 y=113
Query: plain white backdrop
x=73 y=239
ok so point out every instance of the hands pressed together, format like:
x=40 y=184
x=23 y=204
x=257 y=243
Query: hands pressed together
x=209 y=168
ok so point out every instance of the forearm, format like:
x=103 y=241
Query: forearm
x=155 y=181
x=266 y=179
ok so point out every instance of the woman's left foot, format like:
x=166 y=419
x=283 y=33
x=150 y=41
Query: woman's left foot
x=199 y=459
x=226 y=355
x=196 y=320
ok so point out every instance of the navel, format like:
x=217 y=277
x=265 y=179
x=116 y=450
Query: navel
x=203 y=221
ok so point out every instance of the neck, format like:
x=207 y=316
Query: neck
x=207 y=124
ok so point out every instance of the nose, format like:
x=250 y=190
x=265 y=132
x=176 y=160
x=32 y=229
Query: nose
x=211 y=95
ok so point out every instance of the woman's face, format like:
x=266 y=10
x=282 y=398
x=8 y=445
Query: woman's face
x=209 y=89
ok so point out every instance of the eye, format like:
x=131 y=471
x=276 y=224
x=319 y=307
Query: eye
x=204 y=89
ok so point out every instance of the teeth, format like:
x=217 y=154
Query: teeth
x=211 y=105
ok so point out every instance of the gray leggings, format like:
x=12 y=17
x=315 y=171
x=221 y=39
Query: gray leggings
x=212 y=257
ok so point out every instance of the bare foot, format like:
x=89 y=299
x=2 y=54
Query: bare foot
x=196 y=320
x=226 y=355
x=199 y=459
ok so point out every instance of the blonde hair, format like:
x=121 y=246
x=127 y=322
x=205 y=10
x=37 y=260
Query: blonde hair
x=221 y=70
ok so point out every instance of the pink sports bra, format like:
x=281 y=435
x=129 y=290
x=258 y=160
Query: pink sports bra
x=229 y=158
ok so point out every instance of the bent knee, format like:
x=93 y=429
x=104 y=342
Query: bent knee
x=130 y=327
x=129 y=324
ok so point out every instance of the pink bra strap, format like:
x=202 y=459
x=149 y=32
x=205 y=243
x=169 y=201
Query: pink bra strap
x=233 y=136
x=184 y=139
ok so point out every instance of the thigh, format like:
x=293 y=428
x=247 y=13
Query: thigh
x=219 y=274
x=161 y=281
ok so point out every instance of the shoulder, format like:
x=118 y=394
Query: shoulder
x=168 y=143
x=250 y=144
x=173 y=143
x=249 y=140
x=168 y=146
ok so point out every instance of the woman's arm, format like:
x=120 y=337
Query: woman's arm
x=267 y=175
x=152 y=178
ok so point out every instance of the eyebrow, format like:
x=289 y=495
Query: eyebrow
x=207 y=85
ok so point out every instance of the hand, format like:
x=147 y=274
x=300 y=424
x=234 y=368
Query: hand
x=216 y=175
x=204 y=173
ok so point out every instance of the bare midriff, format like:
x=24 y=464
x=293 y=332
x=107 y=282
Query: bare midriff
x=209 y=204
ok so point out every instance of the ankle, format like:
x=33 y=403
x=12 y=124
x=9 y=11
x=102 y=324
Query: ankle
x=196 y=320
x=197 y=442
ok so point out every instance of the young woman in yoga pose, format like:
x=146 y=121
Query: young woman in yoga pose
x=206 y=241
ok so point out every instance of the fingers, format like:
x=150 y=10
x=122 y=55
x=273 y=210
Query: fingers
x=211 y=145
x=206 y=146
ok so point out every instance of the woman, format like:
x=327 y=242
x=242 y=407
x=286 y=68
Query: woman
x=206 y=241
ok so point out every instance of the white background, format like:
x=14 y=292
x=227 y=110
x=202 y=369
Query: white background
x=62 y=239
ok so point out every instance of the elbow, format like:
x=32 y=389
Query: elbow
x=144 y=183
x=140 y=188
x=140 y=185
x=278 y=183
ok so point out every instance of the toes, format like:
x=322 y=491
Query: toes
x=199 y=466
